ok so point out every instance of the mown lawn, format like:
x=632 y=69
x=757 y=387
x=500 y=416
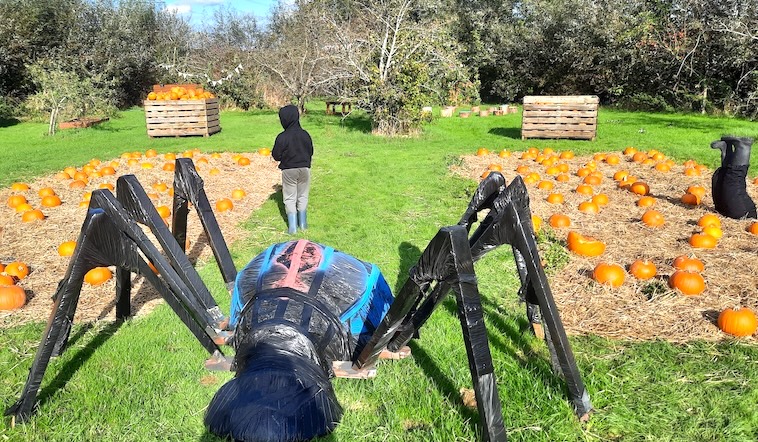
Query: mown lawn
x=382 y=200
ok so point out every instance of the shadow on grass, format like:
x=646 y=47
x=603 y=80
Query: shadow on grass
x=77 y=361
x=508 y=132
x=8 y=122
x=444 y=384
x=529 y=358
x=278 y=197
x=409 y=255
x=355 y=121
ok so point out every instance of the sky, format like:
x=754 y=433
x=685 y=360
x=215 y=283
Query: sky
x=196 y=10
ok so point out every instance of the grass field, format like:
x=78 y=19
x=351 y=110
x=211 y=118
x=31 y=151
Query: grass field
x=382 y=200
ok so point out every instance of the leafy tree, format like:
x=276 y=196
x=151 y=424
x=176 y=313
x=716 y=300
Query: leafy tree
x=64 y=94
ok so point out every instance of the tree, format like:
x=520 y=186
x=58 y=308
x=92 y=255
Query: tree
x=297 y=51
x=400 y=54
x=64 y=93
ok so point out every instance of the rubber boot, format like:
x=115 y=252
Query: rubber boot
x=292 y=223
x=720 y=145
x=302 y=220
x=740 y=148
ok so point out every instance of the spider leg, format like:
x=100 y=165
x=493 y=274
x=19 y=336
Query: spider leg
x=188 y=187
x=447 y=259
x=518 y=215
x=109 y=236
x=136 y=202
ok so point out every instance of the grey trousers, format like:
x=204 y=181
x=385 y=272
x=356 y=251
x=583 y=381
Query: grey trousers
x=296 y=184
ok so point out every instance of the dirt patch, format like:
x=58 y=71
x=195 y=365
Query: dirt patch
x=36 y=243
x=635 y=310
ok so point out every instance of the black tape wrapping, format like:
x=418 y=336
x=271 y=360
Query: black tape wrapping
x=730 y=197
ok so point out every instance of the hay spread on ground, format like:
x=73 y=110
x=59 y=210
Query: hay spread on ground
x=634 y=311
x=36 y=243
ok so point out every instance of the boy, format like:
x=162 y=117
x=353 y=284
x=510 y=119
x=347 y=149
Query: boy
x=293 y=149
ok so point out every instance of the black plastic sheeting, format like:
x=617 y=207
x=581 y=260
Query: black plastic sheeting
x=296 y=308
x=730 y=197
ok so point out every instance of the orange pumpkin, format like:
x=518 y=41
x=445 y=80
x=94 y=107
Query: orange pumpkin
x=503 y=153
x=709 y=219
x=612 y=159
x=646 y=201
x=6 y=279
x=562 y=178
x=702 y=241
x=545 y=185
x=98 y=275
x=559 y=221
x=482 y=152
x=244 y=161
x=662 y=167
x=713 y=231
x=77 y=184
x=653 y=218
x=46 y=191
x=640 y=188
x=224 y=204
x=67 y=248
x=620 y=175
x=584 y=245
x=107 y=171
x=23 y=207
x=688 y=283
x=11 y=297
x=163 y=211
x=16 y=200
x=19 y=187
x=600 y=199
x=699 y=191
x=609 y=274
x=51 y=201
x=589 y=207
x=555 y=198
x=238 y=194
x=690 y=199
x=643 y=269
x=17 y=269
x=738 y=322
x=592 y=180
x=753 y=228
x=32 y=215
x=691 y=264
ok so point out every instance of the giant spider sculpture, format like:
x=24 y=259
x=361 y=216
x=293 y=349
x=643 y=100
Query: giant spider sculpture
x=302 y=312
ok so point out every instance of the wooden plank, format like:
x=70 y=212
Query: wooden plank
x=562 y=120
x=589 y=99
x=556 y=128
x=559 y=107
x=589 y=135
x=559 y=113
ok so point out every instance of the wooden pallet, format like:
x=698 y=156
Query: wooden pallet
x=180 y=118
x=568 y=116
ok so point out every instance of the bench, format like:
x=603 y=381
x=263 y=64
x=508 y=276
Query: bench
x=347 y=106
x=566 y=116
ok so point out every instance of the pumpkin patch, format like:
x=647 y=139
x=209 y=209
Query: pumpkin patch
x=692 y=239
x=40 y=246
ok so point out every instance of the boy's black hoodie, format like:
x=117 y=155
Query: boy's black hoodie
x=293 y=148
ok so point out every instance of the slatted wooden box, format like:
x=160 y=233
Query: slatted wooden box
x=568 y=116
x=179 y=118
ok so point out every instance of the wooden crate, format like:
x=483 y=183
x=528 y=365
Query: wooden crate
x=179 y=118
x=568 y=116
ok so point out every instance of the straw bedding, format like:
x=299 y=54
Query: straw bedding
x=36 y=243
x=634 y=310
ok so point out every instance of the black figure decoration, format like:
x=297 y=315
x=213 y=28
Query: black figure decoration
x=729 y=190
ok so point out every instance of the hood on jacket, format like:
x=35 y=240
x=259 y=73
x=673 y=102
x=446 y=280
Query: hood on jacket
x=288 y=115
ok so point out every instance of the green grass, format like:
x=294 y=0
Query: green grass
x=382 y=200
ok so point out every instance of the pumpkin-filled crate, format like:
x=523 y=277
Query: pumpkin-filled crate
x=181 y=110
